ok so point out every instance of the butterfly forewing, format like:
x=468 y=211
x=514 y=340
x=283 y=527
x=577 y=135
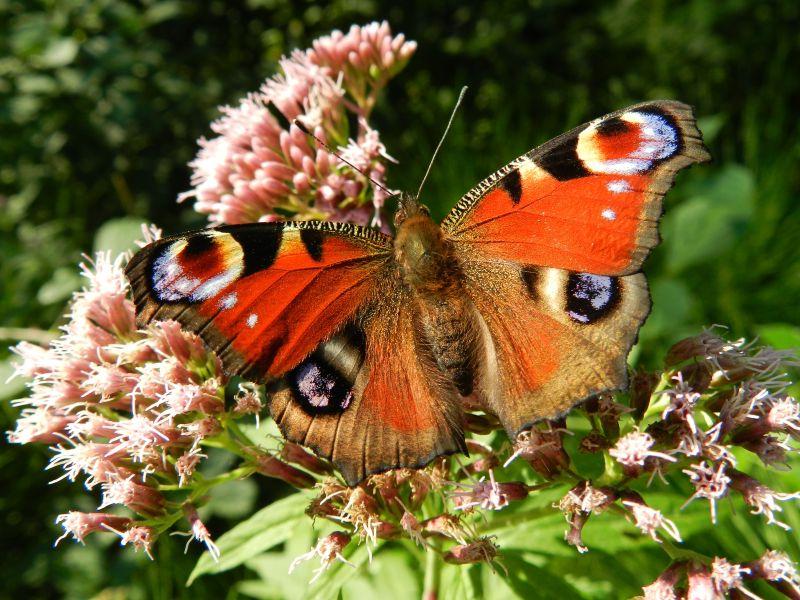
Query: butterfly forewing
x=587 y=201
x=262 y=296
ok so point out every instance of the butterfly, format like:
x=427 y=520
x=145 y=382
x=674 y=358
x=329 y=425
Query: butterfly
x=524 y=301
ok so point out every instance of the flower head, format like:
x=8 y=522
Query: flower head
x=328 y=550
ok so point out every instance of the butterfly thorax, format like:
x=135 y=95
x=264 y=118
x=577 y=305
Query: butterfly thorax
x=446 y=320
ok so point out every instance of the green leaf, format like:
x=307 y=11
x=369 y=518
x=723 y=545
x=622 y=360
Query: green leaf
x=10 y=387
x=233 y=499
x=59 y=53
x=266 y=529
x=708 y=224
x=779 y=335
x=672 y=305
x=118 y=235
x=64 y=281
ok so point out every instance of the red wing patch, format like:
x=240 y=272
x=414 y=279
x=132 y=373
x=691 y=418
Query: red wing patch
x=588 y=201
x=263 y=296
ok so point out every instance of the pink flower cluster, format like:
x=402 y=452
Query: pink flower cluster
x=128 y=411
x=263 y=167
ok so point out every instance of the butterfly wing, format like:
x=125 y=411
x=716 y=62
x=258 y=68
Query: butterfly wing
x=551 y=337
x=371 y=398
x=587 y=201
x=551 y=245
x=319 y=311
x=262 y=295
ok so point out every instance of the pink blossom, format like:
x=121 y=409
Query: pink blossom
x=543 y=449
x=328 y=550
x=727 y=576
x=634 y=448
x=138 y=497
x=709 y=483
x=255 y=168
x=412 y=527
x=140 y=537
x=481 y=550
x=760 y=498
x=665 y=586
x=40 y=425
x=79 y=524
x=648 y=519
x=199 y=532
x=186 y=464
x=488 y=495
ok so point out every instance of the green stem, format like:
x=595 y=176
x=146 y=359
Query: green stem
x=433 y=571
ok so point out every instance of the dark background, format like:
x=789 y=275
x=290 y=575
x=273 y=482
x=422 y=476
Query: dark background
x=101 y=103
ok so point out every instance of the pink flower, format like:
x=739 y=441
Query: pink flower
x=489 y=495
x=481 y=550
x=412 y=527
x=648 y=519
x=138 y=497
x=40 y=425
x=140 y=537
x=634 y=448
x=775 y=566
x=79 y=524
x=727 y=576
x=542 y=449
x=709 y=483
x=328 y=550
x=199 y=532
x=665 y=586
x=760 y=498
x=257 y=169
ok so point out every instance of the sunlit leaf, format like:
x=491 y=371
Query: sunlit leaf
x=264 y=530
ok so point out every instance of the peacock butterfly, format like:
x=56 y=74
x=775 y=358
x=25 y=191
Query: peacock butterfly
x=525 y=300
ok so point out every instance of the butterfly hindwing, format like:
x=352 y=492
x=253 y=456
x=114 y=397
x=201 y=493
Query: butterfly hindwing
x=551 y=337
x=262 y=296
x=587 y=201
x=371 y=398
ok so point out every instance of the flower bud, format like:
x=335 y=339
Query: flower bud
x=481 y=550
x=269 y=466
x=296 y=454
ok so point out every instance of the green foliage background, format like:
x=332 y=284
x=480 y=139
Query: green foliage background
x=101 y=102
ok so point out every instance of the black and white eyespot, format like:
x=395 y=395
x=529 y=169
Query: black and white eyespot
x=319 y=388
x=591 y=297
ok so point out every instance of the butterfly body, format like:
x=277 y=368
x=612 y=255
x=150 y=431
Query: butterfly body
x=445 y=317
x=525 y=300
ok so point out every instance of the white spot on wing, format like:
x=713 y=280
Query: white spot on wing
x=252 y=319
x=618 y=186
x=608 y=214
x=229 y=301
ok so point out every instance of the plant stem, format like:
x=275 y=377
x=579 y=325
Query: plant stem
x=433 y=571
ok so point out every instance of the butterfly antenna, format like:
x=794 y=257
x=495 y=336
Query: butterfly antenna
x=441 y=141
x=322 y=143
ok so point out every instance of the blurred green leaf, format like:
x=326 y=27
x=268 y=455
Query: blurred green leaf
x=10 y=388
x=64 y=281
x=779 y=335
x=118 y=235
x=232 y=500
x=264 y=530
x=707 y=225
x=59 y=53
